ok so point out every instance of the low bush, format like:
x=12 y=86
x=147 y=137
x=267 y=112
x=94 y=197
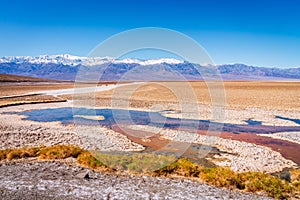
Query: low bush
x=19 y=153
x=136 y=162
x=88 y=160
x=219 y=176
x=295 y=179
x=273 y=186
x=3 y=154
x=60 y=152
x=182 y=167
x=248 y=181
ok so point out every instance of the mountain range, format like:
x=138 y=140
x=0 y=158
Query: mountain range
x=69 y=67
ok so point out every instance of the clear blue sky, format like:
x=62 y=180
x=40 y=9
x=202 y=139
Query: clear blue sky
x=261 y=33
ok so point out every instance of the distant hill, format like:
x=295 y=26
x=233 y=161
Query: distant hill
x=240 y=70
x=66 y=67
x=15 y=78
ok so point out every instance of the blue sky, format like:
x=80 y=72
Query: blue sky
x=260 y=33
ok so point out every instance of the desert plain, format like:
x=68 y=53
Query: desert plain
x=260 y=131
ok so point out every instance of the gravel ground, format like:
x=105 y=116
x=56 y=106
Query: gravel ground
x=56 y=180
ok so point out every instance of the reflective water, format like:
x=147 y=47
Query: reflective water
x=109 y=117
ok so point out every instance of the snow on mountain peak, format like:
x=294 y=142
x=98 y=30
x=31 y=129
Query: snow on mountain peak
x=57 y=59
x=148 y=62
x=67 y=59
x=161 y=60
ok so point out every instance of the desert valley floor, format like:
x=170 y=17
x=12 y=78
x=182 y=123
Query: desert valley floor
x=260 y=132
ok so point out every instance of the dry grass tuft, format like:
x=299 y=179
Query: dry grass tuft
x=88 y=160
x=182 y=167
x=219 y=176
x=60 y=152
x=24 y=152
x=248 y=181
x=295 y=179
x=136 y=162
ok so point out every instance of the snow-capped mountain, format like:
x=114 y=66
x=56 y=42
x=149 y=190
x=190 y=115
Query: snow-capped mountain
x=69 y=67
x=66 y=59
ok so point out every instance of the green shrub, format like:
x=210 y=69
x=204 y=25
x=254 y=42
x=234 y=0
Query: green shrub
x=135 y=162
x=182 y=167
x=248 y=181
x=219 y=176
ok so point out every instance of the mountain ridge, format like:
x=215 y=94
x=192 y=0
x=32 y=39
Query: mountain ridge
x=66 y=67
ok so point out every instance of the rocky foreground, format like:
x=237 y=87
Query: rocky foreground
x=56 y=180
